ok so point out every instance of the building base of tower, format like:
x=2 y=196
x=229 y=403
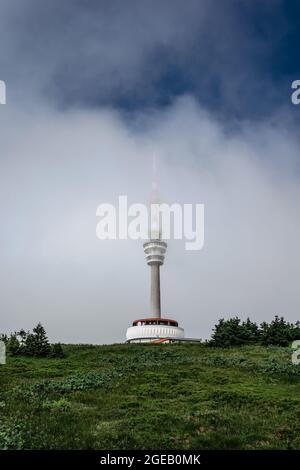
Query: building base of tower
x=153 y=330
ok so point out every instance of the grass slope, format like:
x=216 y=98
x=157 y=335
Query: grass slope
x=184 y=396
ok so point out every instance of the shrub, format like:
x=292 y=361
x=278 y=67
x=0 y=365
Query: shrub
x=73 y=383
x=277 y=333
x=11 y=435
x=234 y=333
x=296 y=331
x=13 y=346
x=57 y=405
x=57 y=350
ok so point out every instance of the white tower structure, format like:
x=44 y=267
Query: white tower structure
x=154 y=328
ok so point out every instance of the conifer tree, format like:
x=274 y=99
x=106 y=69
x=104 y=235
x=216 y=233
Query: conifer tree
x=37 y=343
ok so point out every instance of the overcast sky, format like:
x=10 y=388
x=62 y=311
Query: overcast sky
x=93 y=87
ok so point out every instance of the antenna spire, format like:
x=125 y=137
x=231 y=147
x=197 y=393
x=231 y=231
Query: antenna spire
x=154 y=185
x=155 y=229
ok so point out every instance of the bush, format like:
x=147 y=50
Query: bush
x=278 y=332
x=57 y=405
x=57 y=350
x=13 y=346
x=11 y=435
x=234 y=333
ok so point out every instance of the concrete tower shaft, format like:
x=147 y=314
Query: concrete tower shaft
x=155 y=254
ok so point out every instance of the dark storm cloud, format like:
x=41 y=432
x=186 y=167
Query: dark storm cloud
x=67 y=145
x=137 y=53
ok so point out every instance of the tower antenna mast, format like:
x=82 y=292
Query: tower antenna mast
x=154 y=327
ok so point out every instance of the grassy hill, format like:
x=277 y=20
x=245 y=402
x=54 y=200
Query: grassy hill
x=184 y=396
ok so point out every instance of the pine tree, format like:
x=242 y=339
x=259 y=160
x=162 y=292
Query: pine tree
x=36 y=343
x=277 y=333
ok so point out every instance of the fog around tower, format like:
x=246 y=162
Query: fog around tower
x=75 y=133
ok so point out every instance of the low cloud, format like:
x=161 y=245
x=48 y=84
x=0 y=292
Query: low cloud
x=57 y=167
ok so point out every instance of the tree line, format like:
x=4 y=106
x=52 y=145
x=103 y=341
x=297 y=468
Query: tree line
x=231 y=332
x=32 y=344
x=234 y=332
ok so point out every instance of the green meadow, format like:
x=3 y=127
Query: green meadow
x=177 y=396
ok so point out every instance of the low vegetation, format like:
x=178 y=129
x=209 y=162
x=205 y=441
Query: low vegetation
x=177 y=396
